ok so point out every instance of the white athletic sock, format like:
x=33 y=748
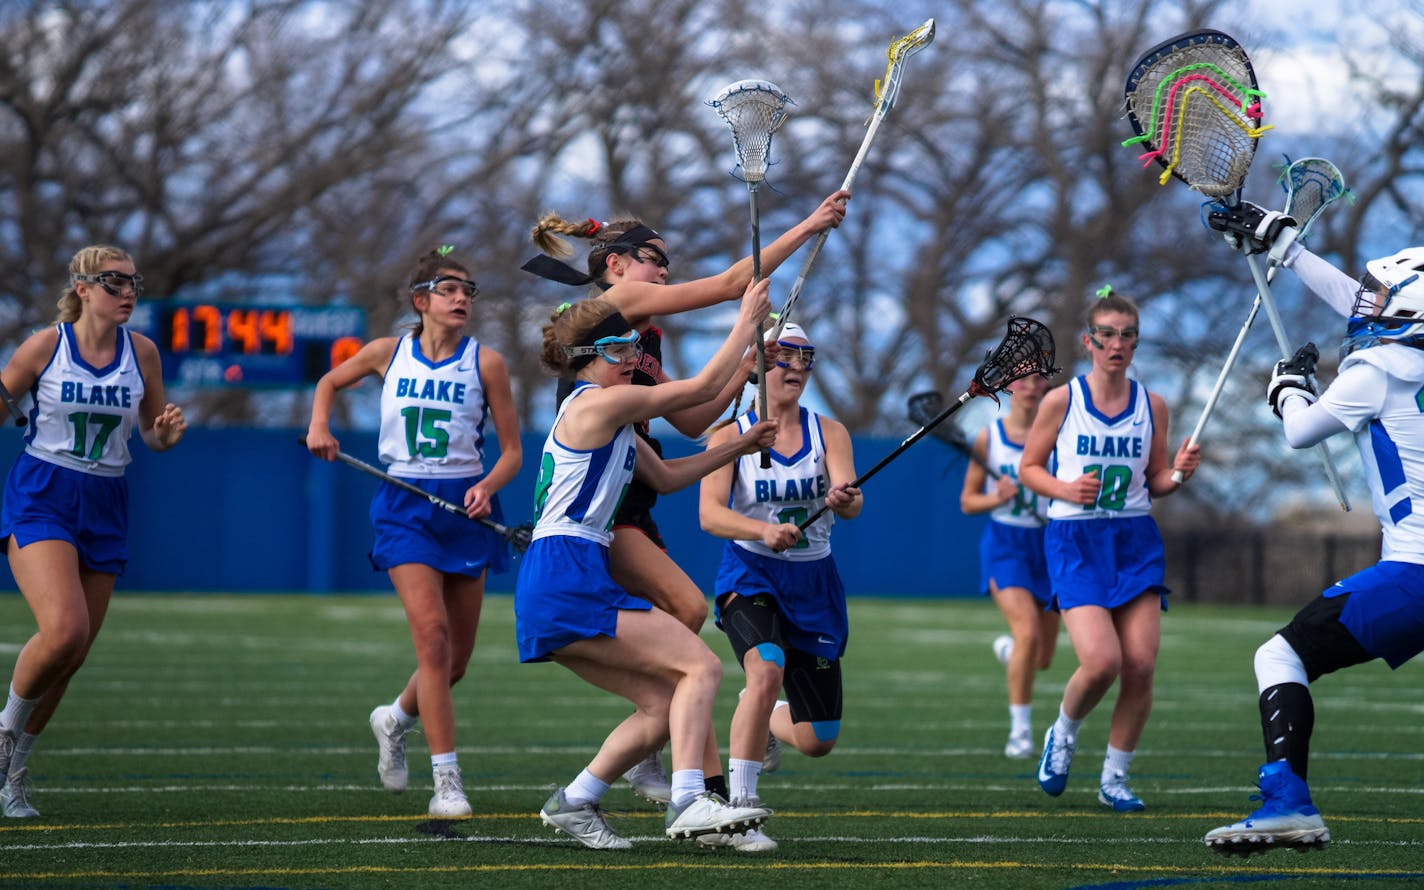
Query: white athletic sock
x=1067 y=726
x=686 y=784
x=403 y=720
x=444 y=761
x=587 y=788
x=742 y=778
x=17 y=711
x=1115 y=765
x=23 y=743
x=1019 y=722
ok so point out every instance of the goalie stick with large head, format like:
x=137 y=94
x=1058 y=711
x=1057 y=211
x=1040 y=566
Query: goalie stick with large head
x=922 y=408
x=1311 y=185
x=518 y=536
x=1195 y=105
x=754 y=110
x=1027 y=348
x=887 y=91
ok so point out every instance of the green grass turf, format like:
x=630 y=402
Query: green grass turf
x=221 y=741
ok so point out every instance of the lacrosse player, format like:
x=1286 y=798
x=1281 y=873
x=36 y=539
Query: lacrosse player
x=438 y=387
x=570 y=609
x=65 y=513
x=1107 y=438
x=628 y=265
x=1374 y=613
x=1011 y=559
x=779 y=597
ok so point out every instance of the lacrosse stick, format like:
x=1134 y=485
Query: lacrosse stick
x=754 y=109
x=1311 y=185
x=886 y=92
x=518 y=536
x=12 y=406
x=1195 y=105
x=923 y=406
x=1026 y=349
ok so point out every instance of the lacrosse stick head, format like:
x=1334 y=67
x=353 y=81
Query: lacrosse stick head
x=1311 y=185
x=754 y=109
x=1195 y=105
x=888 y=89
x=1026 y=349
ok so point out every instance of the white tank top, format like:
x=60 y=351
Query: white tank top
x=83 y=415
x=433 y=413
x=1004 y=456
x=790 y=490
x=1117 y=447
x=578 y=492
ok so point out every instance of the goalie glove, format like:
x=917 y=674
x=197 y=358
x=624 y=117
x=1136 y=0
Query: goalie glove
x=1252 y=229
x=1292 y=377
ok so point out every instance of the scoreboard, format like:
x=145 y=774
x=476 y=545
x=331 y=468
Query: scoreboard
x=242 y=345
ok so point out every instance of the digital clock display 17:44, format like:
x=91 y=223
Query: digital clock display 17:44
x=229 y=344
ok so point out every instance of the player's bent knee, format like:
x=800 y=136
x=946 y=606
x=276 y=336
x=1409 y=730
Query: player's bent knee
x=771 y=654
x=1277 y=662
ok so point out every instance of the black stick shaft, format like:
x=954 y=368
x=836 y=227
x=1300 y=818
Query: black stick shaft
x=760 y=330
x=12 y=406
x=414 y=489
x=914 y=437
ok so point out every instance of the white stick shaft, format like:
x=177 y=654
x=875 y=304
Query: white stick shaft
x=760 y=330
x=784 y=315
x=1263 y=289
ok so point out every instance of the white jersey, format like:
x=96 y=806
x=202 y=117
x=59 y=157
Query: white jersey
x=83 y=415
x=1116 y=447
x=433 y=413
x=1003 y=457
x=578 y=492
x=1377 y=397
x=790 y=490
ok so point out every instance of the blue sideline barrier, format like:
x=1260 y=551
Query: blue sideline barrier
x=238 y=510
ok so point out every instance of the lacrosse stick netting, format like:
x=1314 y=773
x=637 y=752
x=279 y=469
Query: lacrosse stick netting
x=1026 y=349
x=886 y=92
x=1195 y=106
x=754 y=109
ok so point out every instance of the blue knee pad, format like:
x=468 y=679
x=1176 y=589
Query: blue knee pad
x=771 y=654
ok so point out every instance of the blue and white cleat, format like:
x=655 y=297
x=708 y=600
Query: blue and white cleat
x=1118 y=797
x=1053 y=765
x=1286 y=818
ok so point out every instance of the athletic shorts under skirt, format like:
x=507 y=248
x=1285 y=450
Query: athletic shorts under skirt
x=565 y=594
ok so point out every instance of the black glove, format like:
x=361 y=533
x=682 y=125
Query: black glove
x=1252 y=229
x=1293 y=377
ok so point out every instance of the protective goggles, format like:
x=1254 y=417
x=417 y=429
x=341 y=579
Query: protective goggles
x=447 y=286
x=114 y=283
x=795 y=356
x=611 y=349
x=1128 y=335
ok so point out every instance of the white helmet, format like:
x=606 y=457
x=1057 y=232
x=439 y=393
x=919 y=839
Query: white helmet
x=1390 y=302
x=1399 y=279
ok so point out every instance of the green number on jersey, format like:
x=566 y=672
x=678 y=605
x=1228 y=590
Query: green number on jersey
x=795 y=516
x=1116 y=480
x=104 y=424
x=424 y=435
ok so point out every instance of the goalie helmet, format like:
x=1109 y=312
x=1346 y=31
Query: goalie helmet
x=1390 y=302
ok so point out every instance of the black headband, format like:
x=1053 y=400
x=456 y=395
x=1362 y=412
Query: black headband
x=555 y=270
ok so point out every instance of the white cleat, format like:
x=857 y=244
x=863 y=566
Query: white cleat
x=14 y=800
x=708 y=814
x=1020 y=746
x=449 y=801
x=752 y=840
x=585 y=823
x=649 y=781
x=390 y=739
x=1003 y=648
